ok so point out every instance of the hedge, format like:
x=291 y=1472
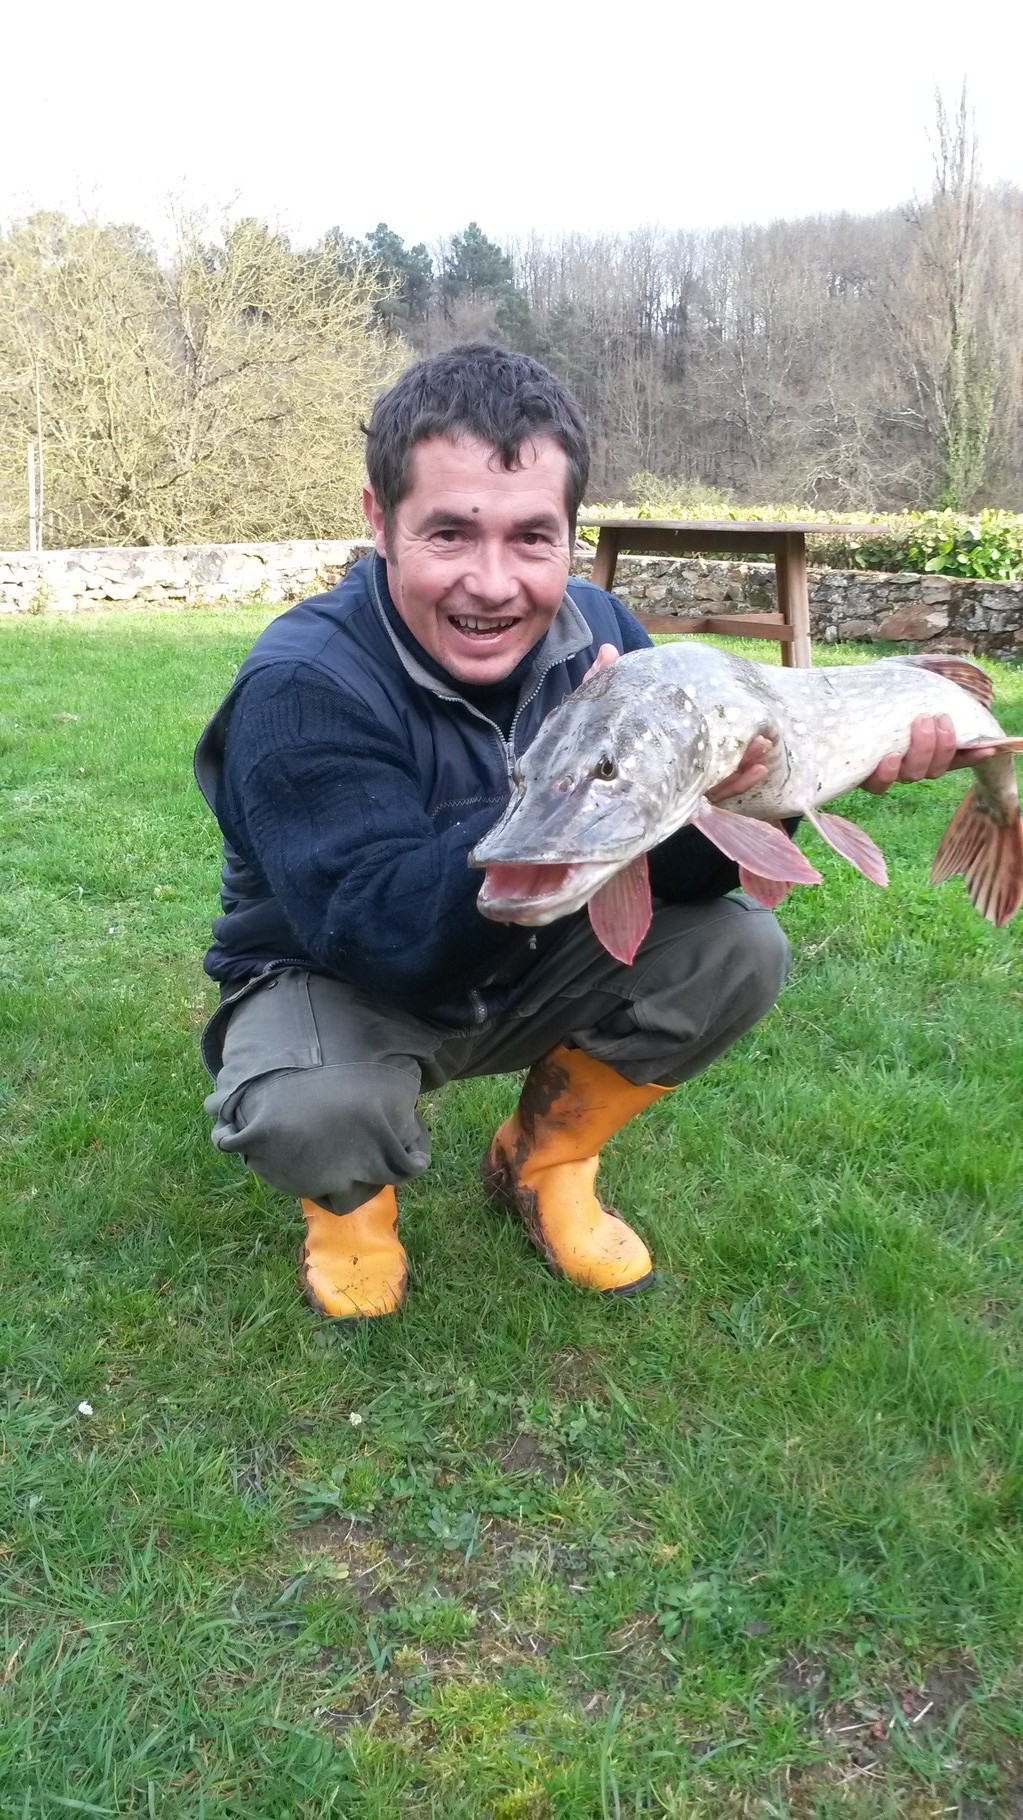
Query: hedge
x=987 y=545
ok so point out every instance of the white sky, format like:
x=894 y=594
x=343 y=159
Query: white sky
x=532 y=114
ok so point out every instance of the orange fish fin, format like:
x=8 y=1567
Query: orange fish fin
x=1004 y=744
x=959 y=670
x=989 y=855
x=852 y=843
x=621 y=911
x=763 y=848
x=768 y=891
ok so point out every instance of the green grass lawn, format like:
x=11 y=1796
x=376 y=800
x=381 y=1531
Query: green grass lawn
x=749 y=1545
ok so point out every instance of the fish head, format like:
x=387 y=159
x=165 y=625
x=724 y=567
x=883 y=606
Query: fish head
x=610 y=773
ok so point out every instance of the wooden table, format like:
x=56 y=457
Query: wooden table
x=740 y=537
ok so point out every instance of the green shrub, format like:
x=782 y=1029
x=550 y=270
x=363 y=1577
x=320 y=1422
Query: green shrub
x=989 y=546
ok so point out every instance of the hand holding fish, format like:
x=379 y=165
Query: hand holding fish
x=932 y=751
x=657 y=739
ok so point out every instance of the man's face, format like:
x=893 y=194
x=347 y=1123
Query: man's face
x=478 y=557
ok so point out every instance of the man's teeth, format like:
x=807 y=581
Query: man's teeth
x=482 y=625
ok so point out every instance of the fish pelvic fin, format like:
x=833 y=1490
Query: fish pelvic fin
x=622 y=910
x=768 y=891
x=986 y=847
x=969 y=676
x=764 y=849
x=852 y=843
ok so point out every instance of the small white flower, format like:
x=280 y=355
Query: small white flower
x=355 y=1419
x=85 y=1409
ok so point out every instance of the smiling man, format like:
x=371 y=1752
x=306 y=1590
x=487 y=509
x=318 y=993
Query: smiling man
x=367 y=744
x=477 y=554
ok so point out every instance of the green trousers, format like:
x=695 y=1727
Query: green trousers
x=317 y=1087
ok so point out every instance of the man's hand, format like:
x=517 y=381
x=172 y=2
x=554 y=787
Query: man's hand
x=931 y=752
x=751 y=771
x=608 y=654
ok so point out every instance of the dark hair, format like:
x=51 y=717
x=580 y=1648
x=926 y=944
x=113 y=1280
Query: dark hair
x=501 y=399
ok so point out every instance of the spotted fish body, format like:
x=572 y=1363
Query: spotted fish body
x=629 y=758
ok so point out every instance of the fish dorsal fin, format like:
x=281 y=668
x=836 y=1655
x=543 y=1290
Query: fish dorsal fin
x=959 y=670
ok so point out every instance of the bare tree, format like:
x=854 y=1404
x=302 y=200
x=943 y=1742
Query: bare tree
x=941 y=314
x=216 y=397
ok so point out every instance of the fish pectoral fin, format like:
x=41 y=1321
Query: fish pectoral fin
x=621 y=911
x=764 y=849
x=852 y=843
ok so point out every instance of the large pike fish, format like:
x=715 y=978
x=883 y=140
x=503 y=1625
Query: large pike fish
x=629 y=757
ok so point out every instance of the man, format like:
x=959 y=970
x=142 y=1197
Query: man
x=367 y=744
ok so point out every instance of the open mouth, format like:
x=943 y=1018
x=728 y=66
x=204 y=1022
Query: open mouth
x=536 y=893
x=482 y=629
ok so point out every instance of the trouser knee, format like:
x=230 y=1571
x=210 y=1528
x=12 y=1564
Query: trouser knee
x=759 y=963
x=334 y=1135
x=709 y=978
x=751 y=959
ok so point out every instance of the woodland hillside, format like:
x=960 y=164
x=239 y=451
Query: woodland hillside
x=213 y=390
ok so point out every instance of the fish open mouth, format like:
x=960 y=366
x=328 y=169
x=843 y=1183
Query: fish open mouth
x=528 y=893
x=618 y=899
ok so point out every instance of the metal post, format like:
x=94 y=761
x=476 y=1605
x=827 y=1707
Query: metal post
x=32 y=531
x=39 y=461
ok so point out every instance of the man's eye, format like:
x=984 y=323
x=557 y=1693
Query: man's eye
x=533 y=537
x=448 y=535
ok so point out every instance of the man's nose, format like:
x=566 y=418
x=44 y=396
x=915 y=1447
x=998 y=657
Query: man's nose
x=490 y=577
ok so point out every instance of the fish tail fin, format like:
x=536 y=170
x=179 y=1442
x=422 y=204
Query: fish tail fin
x=987 y=849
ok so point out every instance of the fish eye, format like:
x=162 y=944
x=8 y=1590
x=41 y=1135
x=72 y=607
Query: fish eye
x=605 y=767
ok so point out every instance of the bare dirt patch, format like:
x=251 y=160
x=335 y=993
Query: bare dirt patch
x=804 y=1681
x=526 y=1455
x=859 y=1730
x=387 y=1579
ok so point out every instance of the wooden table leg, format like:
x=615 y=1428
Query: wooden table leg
x=794 y=598
x=602 y=573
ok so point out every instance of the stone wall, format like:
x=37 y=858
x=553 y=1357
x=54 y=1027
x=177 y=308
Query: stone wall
x=844 y=603
x=937 y=610
x=175 y=575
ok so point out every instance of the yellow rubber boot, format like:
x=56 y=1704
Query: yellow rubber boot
x=352 y=1265
x=542 y=1166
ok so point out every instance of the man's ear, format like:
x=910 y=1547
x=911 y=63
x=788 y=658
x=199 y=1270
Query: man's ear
x=375 y=520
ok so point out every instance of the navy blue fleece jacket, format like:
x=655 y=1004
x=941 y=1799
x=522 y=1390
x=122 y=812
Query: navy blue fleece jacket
x=325 y=806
